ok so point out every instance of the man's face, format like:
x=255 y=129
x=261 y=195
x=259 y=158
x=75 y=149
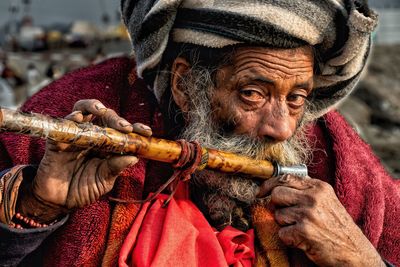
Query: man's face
x=262 y=94
x=253 y=107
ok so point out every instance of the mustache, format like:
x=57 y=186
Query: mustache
x=293 y=151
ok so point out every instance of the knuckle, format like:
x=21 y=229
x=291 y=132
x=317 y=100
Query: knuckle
x=304 y=229
x=83 y=103
x=322 y=190
x=78 y=104
x=93 y=101
x=310 y=200
x=305 y=214
x=323 y=186
x=97 y=105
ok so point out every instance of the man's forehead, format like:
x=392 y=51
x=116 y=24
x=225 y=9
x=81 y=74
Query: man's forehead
x=303 y=53
x=253 y=62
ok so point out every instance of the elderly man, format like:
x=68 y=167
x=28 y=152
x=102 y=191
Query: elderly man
x=258 y=78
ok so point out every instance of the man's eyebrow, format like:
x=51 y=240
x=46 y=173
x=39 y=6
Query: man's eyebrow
x=262 y=79
x=305 y=85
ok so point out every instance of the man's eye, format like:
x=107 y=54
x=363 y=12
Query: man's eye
x=251 y=95
x=297 y=100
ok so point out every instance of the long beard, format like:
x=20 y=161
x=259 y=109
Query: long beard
x=225 y=198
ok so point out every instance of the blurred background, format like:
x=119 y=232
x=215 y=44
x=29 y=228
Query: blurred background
x=41 y=40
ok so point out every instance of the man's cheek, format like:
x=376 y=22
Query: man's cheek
x=225 y=114
x=247 y=123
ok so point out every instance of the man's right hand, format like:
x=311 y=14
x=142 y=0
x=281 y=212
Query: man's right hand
x=70 y=177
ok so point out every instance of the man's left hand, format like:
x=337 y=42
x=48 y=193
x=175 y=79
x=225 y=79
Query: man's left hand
x=314 y=220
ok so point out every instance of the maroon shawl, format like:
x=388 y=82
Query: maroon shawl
x=94 y=234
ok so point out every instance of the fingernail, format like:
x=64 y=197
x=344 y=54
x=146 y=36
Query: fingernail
x=134 y=160
x=145 y=127
x=100 y=106
x=124 y=124
x=284 y=178
x=76 y=112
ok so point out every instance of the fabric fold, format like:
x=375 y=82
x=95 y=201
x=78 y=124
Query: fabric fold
x=179 y=235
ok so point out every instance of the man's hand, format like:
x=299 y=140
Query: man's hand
x=69 y=177
x=314 y=220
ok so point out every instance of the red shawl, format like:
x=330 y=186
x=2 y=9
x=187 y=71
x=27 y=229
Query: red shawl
x=179 y=235
x=94 y=234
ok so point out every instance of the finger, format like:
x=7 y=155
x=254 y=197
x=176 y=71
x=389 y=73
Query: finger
x=75 y=116
x=108 y=117
x=292 y=237
x=283 y=196
x=111 y=119
x=287 y=216
x=90 y=106
x=142 y=129
x=286 y=180
x=267 y=186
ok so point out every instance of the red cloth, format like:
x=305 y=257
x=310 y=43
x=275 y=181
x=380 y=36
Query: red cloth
x=179 y=235
x=238 y=246
x=370 y=195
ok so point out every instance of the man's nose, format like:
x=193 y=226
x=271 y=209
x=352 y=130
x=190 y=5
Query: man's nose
x=276 y=125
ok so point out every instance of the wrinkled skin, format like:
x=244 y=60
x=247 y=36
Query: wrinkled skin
x=264 y=94
x=314 y=220
x=69 y=177
x=261 y=94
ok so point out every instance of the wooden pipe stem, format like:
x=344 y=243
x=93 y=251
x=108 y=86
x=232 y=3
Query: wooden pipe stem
x=88 y=135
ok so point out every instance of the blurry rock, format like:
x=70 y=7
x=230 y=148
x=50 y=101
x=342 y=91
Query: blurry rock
x=357 y=113
x=6 y=94
x=382 y=94
x=380 y=88
x=386 y=145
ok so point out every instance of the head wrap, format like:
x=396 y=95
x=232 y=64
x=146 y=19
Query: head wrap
x=339 y=30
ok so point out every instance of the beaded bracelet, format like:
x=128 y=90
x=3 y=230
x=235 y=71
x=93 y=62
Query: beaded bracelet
x=22 y=222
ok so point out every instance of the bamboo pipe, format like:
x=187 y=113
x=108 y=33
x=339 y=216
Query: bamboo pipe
x=88 y=135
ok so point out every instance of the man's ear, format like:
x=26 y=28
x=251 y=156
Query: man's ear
x=179 y=68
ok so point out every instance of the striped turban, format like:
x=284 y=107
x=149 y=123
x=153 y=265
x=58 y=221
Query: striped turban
x=339 y=31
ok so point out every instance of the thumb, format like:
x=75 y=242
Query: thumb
x=267 y=186
x=116 y=164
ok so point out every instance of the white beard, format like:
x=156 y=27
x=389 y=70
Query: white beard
x=221 y=194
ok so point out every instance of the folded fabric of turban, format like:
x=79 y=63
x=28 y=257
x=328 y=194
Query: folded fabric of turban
x=339 y=30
